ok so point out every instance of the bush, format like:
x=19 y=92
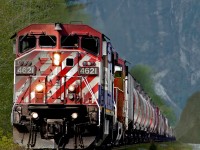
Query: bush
x=152 y=146
x=6 y=142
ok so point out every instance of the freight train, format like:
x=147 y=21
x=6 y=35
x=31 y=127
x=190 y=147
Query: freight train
x=73 y=91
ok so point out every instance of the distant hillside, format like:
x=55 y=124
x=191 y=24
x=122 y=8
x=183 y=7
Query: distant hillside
x=188 y=128
x=144 y=75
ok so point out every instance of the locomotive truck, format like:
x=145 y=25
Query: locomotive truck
x=73 y=91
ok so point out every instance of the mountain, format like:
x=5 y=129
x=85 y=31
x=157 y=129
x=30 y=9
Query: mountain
x=187 y=129
x=161 y=91
x=163 y=34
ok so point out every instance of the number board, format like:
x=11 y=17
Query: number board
x=25 y=70
x=88 y=70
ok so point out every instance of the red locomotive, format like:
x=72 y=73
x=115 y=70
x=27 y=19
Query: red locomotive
x=72 y=91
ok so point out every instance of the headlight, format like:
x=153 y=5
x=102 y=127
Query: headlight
x=18 y=108
x=56 y=56
x=39 y=88
x=71 y=88
x=56 y=62
x=34 y=115
x=56 y=59
x=70 y=96
x=74 y=115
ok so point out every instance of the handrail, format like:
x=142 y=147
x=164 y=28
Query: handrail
x=118 y=89
x=93 y=96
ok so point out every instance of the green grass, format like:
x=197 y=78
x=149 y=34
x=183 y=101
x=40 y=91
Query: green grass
x=159 y=146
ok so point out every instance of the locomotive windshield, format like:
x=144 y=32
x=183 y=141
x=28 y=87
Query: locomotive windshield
x=90 y=44
x=47 y=41
x=69 y=41
x=26 y=43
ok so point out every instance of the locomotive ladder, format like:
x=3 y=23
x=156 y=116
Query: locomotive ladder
x=93 y=96
x=32 y=135
x=78 y=134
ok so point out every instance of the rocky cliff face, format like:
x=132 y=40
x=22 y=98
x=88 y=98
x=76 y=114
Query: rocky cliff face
x=164 y=34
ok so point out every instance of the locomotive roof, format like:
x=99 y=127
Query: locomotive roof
x=66 y=28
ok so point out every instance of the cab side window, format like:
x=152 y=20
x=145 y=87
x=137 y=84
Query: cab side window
x=26 y=43
x=90 y=44
x=118 y=74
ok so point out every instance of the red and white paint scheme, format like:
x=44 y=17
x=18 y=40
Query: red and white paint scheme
x=72 y=91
